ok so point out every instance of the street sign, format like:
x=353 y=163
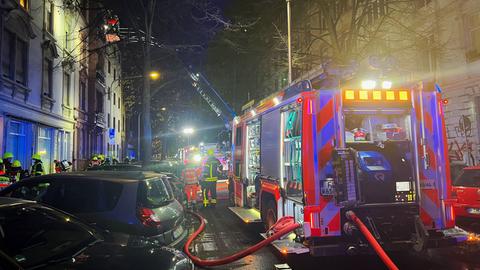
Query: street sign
x=111 y=133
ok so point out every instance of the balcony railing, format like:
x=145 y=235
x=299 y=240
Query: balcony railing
x=100 y=118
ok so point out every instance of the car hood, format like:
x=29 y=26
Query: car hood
x=112 y=256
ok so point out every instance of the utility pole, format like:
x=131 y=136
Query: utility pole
x=147 y=123
x=289 y=40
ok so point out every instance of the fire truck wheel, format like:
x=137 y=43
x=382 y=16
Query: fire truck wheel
x=270 y=214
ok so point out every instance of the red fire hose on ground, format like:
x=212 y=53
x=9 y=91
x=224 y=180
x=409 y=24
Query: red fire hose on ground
x=284 y=226
x=373 y=242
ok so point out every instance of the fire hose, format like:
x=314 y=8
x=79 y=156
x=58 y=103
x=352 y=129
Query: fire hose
x=284 y=226
x=373 y=242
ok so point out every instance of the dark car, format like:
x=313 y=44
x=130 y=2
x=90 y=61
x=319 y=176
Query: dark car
x=36 y=236
x=135 y=206
x=116 y=167
x=175 y=183
x=466 y=187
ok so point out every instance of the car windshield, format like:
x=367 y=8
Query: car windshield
x=35 y=236
x=154 y=193
x=468 y=178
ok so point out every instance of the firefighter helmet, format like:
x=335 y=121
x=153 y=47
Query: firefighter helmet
x=36 y=157
x=7 y=155
x=16 y=164
x=210 y=152
x=94 y=158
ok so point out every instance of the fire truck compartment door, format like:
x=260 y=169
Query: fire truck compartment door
x=434 y=179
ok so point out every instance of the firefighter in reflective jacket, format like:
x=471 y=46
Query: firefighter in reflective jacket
x=7 y=160
x=4 y=180
x=37 y=166
x=211 y=171
x=17 y=173
x=190 y=176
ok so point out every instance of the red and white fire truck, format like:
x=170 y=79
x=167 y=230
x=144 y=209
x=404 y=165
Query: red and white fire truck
x=324 y=146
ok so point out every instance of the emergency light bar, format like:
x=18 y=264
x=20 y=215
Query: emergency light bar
x=355 y=95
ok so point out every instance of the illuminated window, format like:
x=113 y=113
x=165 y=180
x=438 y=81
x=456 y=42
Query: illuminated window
x=389 y=95
x=403 y=95
x=377 y=95
x=363 y=95
x=350 y=94
x=24 y=4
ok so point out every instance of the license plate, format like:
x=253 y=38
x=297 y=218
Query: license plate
x=177 y=232
x=473 y=211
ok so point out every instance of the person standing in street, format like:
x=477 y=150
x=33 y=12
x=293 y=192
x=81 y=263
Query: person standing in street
x=190 y=176
x=17 y=173
x=7 y=161
x=37 y=166
x=211 y=172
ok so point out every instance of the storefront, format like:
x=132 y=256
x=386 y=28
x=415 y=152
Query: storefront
x=23 y=138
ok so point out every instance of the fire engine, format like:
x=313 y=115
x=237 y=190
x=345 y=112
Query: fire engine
x=325 y=146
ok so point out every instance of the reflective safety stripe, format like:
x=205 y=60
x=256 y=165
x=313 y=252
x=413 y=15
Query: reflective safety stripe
x=211 y=179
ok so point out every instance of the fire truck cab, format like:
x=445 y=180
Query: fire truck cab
x=318 y=149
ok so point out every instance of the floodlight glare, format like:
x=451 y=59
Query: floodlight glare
x=369 y=84
x=386 y=84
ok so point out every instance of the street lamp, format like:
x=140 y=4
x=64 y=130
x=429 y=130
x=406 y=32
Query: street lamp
x=154 y=75
x=188 y=131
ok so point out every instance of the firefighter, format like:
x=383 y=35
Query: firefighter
x=3 y=176
x=37 y=166
x=211 y=171
x=190 y=176
x=7 y=161
x=94 y=162
x=17 y=173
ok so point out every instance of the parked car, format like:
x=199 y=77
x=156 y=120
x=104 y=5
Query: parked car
x=135 y=206
x=466 y=187
x=36 y=236
x=175 y=183
x=116 y=167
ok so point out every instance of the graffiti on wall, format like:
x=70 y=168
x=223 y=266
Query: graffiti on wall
x=461 y=148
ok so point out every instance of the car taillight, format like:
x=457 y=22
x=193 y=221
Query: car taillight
x=147 y=217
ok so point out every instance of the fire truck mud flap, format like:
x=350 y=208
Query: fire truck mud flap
x=248 y=215
x=288 y=245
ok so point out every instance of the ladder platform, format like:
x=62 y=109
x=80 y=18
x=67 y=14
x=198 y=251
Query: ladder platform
x=248 y=215
x=287 y=245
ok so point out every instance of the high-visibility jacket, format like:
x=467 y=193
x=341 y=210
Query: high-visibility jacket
x=190 y=176
x=211 y=170
x=37 y=169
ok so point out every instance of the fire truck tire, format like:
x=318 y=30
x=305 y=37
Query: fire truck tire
x=270 y=214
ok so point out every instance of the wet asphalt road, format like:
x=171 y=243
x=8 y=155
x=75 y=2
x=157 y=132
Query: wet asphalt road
x=226 y=234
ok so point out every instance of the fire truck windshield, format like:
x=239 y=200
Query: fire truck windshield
x=378 y=127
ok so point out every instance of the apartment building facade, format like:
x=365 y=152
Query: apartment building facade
x=44 y=95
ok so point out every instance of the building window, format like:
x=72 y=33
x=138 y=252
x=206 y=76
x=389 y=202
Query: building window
x=8 y=53
x=114 y=74
x=473 y=25
x=14 y=58
x=427 y=58
x=99 y=102
x=114 y=98
x=44 y=146
x=108 y=64
x=17 y=140
x=83 y=95
x=118 y=125
x=118 y=103
x=49 y=17
x=422 y=3
x=66 y=89
x=47 y=77
x=114 y=122
x=24 y=4
x=108 y=121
